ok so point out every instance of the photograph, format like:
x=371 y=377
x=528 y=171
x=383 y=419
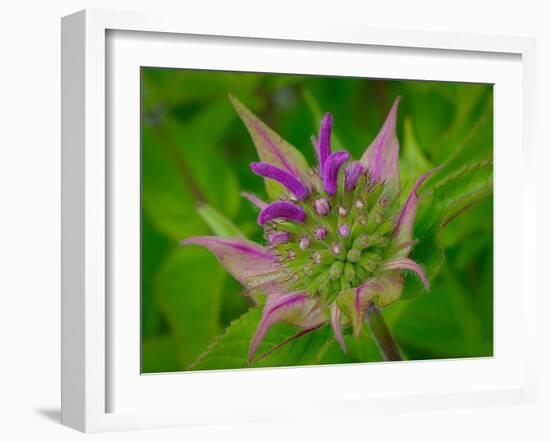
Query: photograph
x=303 y=220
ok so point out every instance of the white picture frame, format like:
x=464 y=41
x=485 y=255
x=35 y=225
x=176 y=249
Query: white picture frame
x=90 y=349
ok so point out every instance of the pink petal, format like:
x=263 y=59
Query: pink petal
x=408 y=264
x=282 y=210
x=271 y=147
x=403 y=231
x=352 y=172
x=391 y=288
x=254 y=200
x=331 y=167
x=249 y=263
x=296 y=308
x=354 y=302
x=324 y=140
x=292 y=184
x=363 y=295
x=380 y=158
x=336 y=326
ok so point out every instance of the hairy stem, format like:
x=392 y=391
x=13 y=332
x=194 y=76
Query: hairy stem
x=382 y=334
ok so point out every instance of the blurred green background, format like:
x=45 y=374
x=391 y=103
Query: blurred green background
x=195 y=149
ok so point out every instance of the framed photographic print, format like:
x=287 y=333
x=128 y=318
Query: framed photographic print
x=258 y=223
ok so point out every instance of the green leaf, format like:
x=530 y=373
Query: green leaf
x=155 y=248
x=167 y=197
x=413 y=162
x=210 y=125
x=177 y=171
x=331 y=353
x=159 y=354
x=439 y=206
x=219 y=224
x=449 y=309
x=468 y=145
x=230 y=350
x=444 y=115
x=361 y=349
x=189 y=287
x=177 y=88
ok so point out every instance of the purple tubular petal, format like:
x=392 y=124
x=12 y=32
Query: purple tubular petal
x=352 y=172
x=254 y=200
x=295 y=308
x=380 y=158
x=248 y=262
x=292 y=184
x=408 y=264
x=282 y=210
x=336 y=326
x=404 y=226
x=323 y=144
x=279 y=238
x=331 y=169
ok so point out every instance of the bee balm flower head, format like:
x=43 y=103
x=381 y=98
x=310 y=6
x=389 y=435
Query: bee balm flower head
x=338 y=240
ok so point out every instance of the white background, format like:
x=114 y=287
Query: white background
x=30 y=221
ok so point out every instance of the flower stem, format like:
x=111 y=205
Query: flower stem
x=382 y=334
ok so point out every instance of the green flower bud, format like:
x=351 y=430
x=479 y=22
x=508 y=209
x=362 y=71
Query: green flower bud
x=349 y=272
x=336 y=270
x=344 y=285
x=354 y=255
x=360 y=273
x=369 y=261
x=361 y=242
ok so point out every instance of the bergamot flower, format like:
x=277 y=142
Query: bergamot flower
x=337 y=240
